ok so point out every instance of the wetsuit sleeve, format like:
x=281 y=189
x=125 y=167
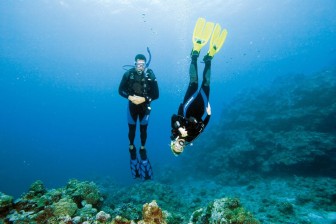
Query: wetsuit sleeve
x=154 y=88
x=175 y=124
x=206 y=120
x=123 y=87
x=175 y=121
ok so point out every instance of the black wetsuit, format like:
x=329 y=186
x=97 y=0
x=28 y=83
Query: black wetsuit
x=192 y=113
x=144 y=85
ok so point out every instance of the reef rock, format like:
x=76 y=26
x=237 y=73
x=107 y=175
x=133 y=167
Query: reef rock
x=6 y=202
x=84 y=191
x=152 y=214
x=64 y=207
x=102 y=216
x=121 y=220
x=78 y=200
x=223 y=211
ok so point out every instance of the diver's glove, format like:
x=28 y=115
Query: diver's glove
x=183 y=131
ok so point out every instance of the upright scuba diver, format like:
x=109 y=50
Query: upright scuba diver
x=140 y=87
x=195 y=111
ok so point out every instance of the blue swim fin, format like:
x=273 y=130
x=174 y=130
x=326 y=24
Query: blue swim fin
x=134 y=162
x=145 y=170
x=135 y=168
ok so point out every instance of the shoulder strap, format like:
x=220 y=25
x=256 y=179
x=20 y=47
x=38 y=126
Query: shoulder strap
x=149 y=74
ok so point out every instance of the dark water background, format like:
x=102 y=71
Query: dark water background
x=61 y=64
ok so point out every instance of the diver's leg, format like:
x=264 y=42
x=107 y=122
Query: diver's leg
x=132 y=118
x=143 y=135
x=145 y=168
x=131 y=133
x=193 y=77
x=193 y=69
x=205 y=88
x=193 y=85
x=144 y=118
x=134 y=165
x=207 y=70
x=204 y=93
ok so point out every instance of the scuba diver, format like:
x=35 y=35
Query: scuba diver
x=140 y=87
x=195 y=111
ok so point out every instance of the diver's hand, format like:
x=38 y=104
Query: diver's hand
x=131 y=98
x=208 y=109
x=137 y=99
x=183 y=131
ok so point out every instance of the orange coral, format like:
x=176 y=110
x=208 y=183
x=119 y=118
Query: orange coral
x=152 y=214
x=121 y=220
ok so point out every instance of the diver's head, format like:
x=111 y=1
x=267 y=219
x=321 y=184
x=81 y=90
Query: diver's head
x=140 y=63
x=177 y=146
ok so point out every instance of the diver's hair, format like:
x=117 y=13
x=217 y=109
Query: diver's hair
x=140 y=57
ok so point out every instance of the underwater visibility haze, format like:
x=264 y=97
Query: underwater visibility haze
x=62 y=118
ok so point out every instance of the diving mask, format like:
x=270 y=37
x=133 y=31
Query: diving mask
x=177 y=146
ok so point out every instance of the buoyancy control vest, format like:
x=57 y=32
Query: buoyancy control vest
x=139 y=84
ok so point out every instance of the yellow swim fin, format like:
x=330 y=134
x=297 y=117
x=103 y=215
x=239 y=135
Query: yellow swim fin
x=202 y=33
x=217 y=40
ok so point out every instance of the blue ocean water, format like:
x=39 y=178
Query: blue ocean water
x=61 y=116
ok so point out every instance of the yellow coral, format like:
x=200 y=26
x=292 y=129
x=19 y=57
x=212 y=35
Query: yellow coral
x=152 y=214
x=120 y=220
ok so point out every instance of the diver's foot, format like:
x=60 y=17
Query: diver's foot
x=207 y=58
x=143 y=153
x=132 y=151
x=194 y=54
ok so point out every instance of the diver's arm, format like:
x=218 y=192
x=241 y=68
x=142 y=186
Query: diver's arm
x=206 y=120
x=174 y=130
x=123 y=91
x=154 y=88
x=177 y=126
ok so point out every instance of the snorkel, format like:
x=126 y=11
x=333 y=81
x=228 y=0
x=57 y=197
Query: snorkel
x=149 y=57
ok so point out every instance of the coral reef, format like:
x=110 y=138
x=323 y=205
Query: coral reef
x=84 y=191
x=224 y=211
x=55 y=206
x=78 y=202
x=6 y=203
x=152 y=214
x=69 y=205
x=102 y=216
x=295 y=200
x=64 y=207
x=131 y=199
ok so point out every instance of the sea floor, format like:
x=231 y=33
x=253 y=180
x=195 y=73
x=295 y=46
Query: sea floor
x=281 y=200
x=299 y=200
